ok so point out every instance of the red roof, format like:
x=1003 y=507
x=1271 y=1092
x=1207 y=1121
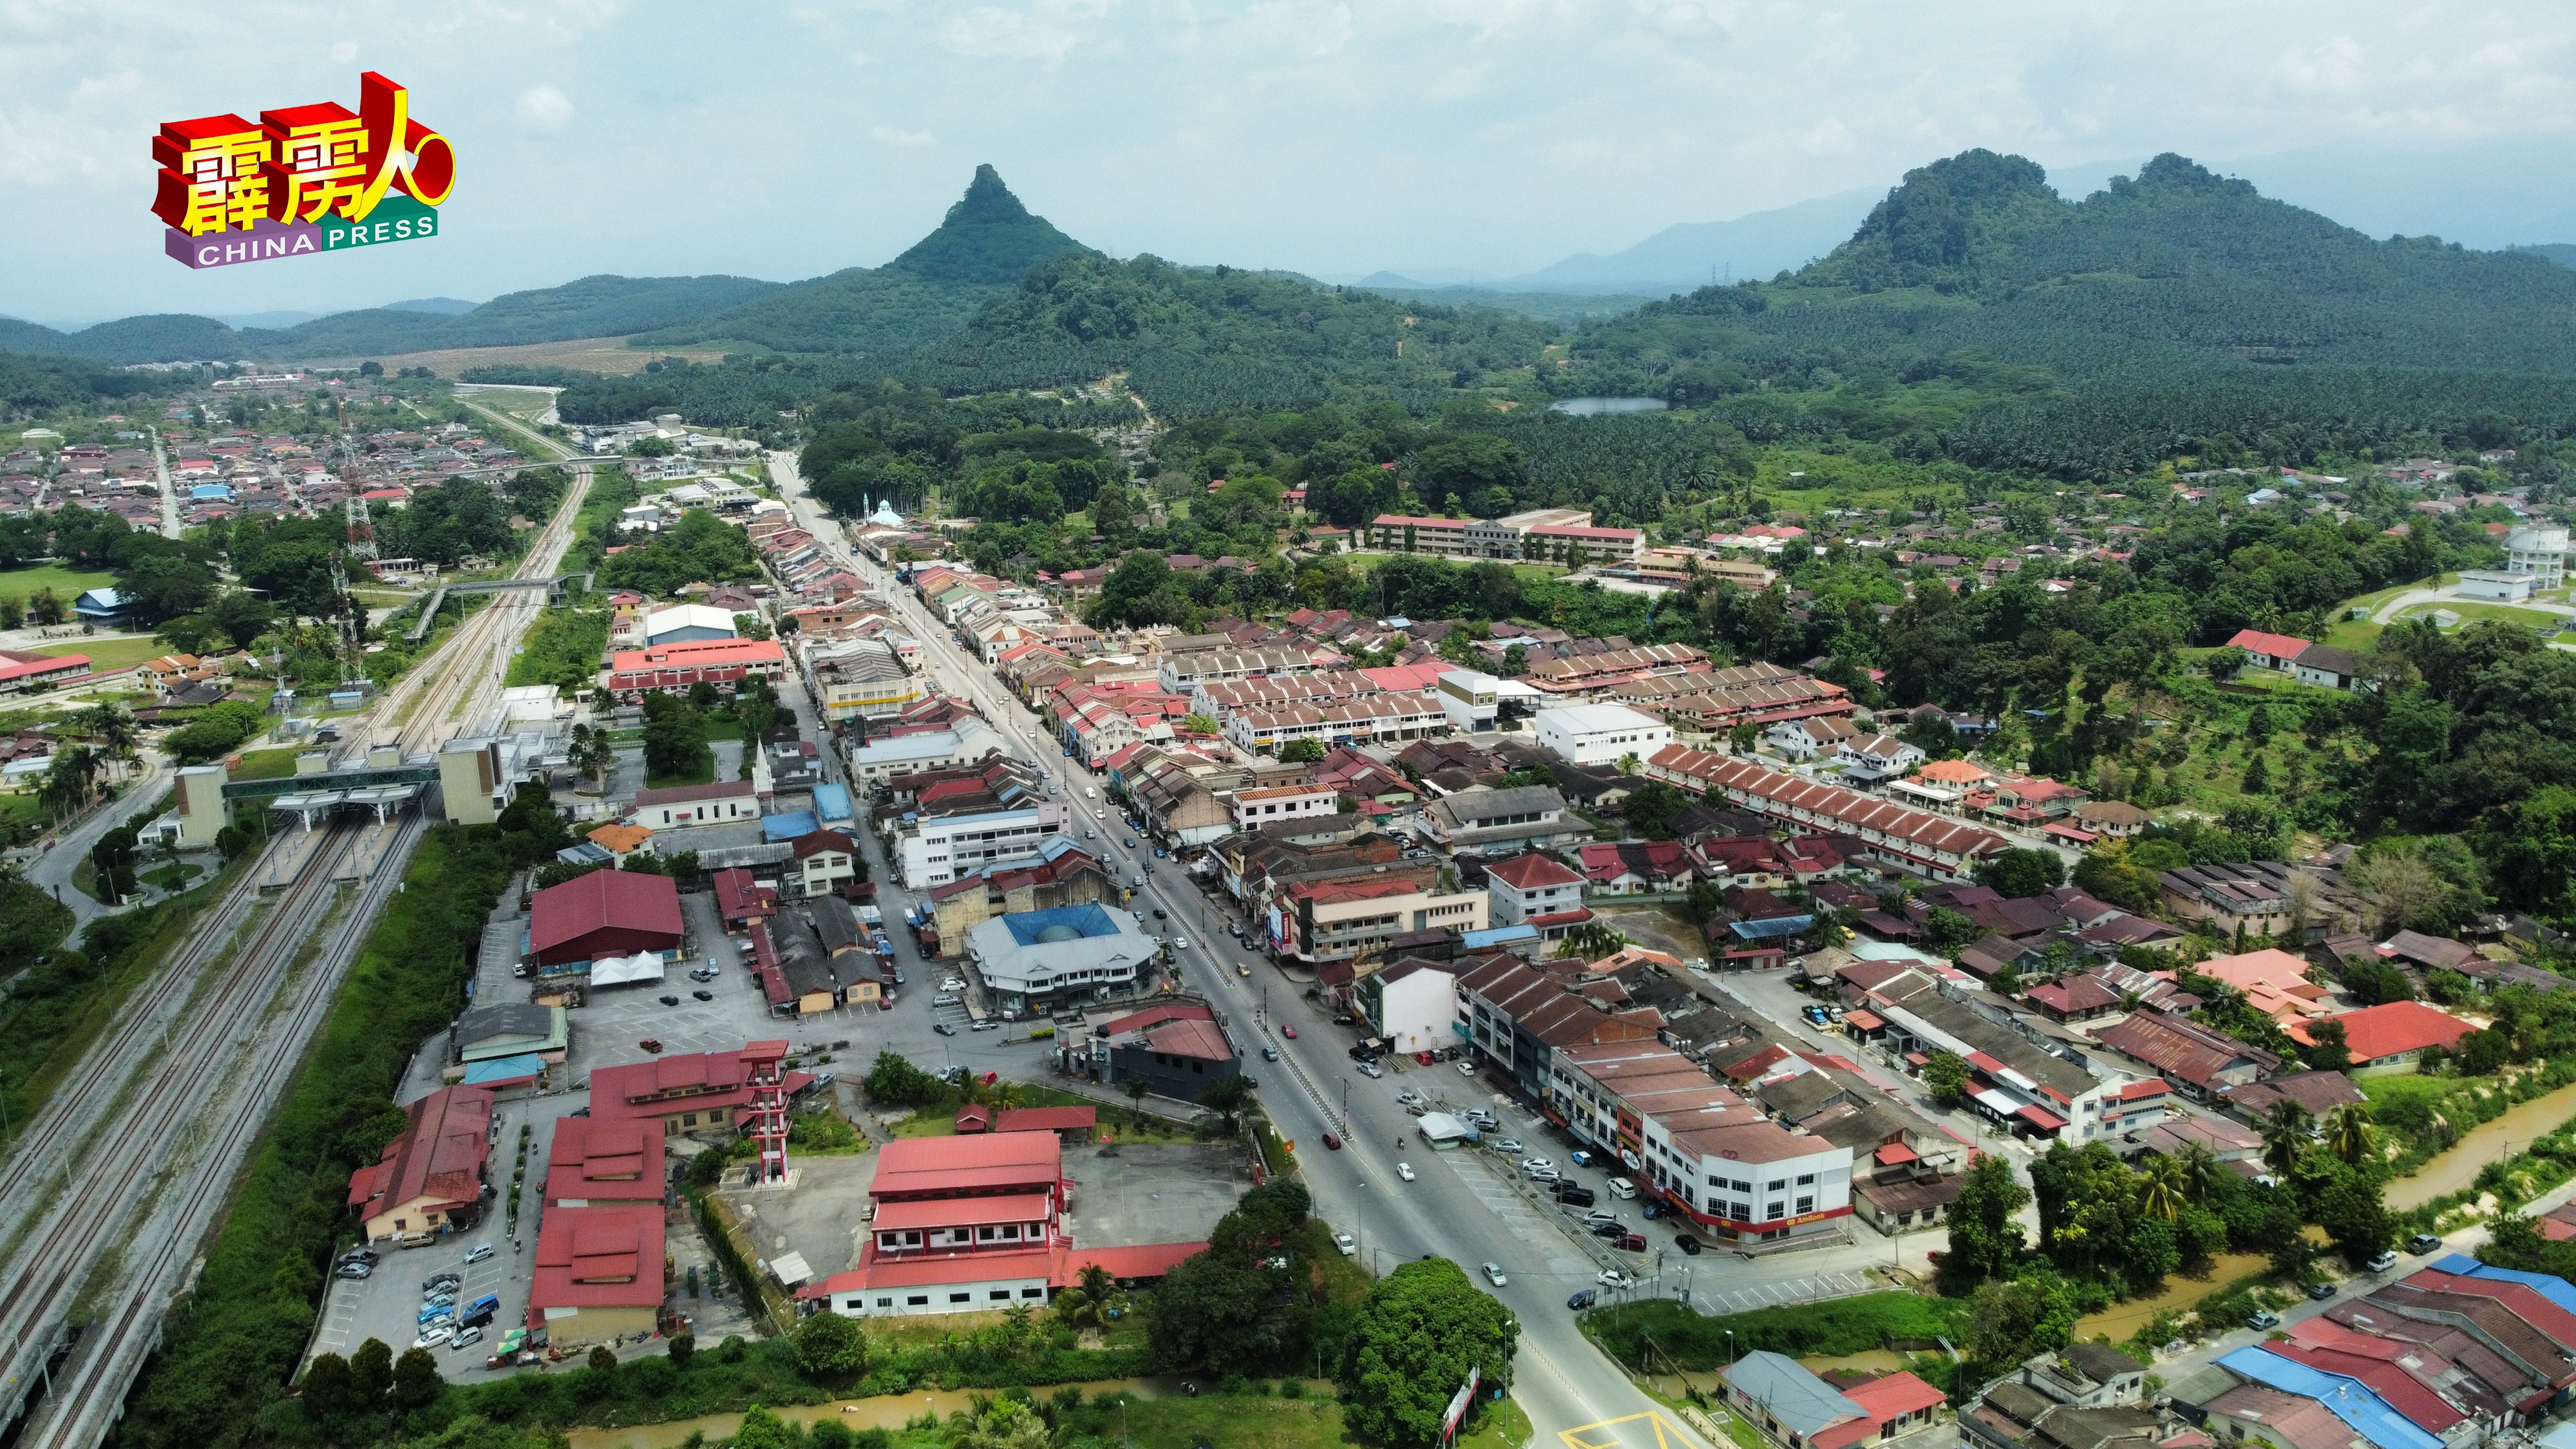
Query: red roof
x=995 y=1162
x=963 y=1212
x=438 y=1157
x=681 y=1082
x=698 y=654
x=594 y=1159
x=1894 y=1394
x=2390 y=1029
x=1575 y=917
x=1048 y=1119
x=598 y=1257
x=2042 y=1118
x=1533 y=870
x=2275 y=646
x=1061 y=1266
x=611 y=910
x=1865 y=1020
x=739 y=897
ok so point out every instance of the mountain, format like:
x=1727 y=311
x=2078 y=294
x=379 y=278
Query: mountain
x=265 y=321
x=2562 y=253
x=448 y=306
x=984 y=246
x=1682 y=257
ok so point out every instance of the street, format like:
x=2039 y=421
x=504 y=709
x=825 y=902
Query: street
x=1453 y=1209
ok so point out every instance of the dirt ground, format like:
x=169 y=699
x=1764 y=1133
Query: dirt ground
x=1657 y=928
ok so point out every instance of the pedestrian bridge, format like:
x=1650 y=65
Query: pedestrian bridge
x=554 y=585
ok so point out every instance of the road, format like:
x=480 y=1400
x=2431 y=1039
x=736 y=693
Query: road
x=169 y=493
x=107 y=1196
x=51 y=868
x=1455 y=1208
x=2388 y=612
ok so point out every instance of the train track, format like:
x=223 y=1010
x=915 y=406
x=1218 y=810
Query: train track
x=146 y=1143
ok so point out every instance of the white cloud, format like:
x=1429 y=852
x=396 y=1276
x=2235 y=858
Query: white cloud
x=891 y=136
x=1300 y=27
x=544 y=110
x=1833 y=138
x=345 y=52
x=1045 y=31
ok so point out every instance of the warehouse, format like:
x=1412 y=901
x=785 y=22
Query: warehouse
x=605 y=913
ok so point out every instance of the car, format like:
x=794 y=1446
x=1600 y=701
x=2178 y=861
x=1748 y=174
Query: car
x=1129 y=842
x=478 y=1252
x=1180 y=943
x=1583 y=1298
x=1161 y=854
x=669 y=1000
x=1332 y=1143
x=1686 y=1243
x=1574 y=1194
x=1609 y=1228
x=1613 y=1278
x=1579 y=1157
x=1622 y=1187
x=1289 y=1032
x=2423 y=1243
x=1372 y=1070
x=1160 y=914
x=1348 y=1248
x=1654 y=1209
x=431 y=1338
x=2320 y=1292
x=1546 y=1176
x=1529 y=1162
x=1404 y=1171
x=356 y=1270
x=1600 y=1217
x=2265 y=1319
x=470 y=1333
x=987 y=1024
x=2382 y=1263
x=953 y=983
x=1243 y=968
x=1424 y=1059
x=702 y=974
x=1816 y=1015
x=430 y=1317
x=1234 y=928
x=1343 y=1018
x=1633 y=1243
x=703 y=994
x=651 y=1044
x=368 y=1256
x=1494 y=1274
x=1270 y=1054
x=436 y=1281
x=943 y=1028
x=442 y=1299
x=1466 y=1069
x=1508 y=1144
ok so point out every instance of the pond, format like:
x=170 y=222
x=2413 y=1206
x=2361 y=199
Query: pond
x=1584 y=407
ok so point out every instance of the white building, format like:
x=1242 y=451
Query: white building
x=2540 y=551
x=1031 y=960
x=938 y=850
x=1870 y=759
x=1528 y=887
x=1255 y=808
x=1472 y=699
x=2502 y=585
x=1412 y=1004
x=725 y=800
x=1600 y=734
x=681 y=623
x=970 y=741
x=1805 y=739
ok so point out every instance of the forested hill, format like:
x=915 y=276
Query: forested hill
x=987 y=242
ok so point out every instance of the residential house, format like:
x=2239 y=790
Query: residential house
x=2388 y=1038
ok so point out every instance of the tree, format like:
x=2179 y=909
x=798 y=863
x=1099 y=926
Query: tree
x=684 y=1346
x=2258 y=777
x=2484 y=1053
x=416 y=1381
x=1301 y=752
x=603 y=1358
x=2354 y=1218
x=2328 y=1051
x=2401 y=890
x=1946 y=1073
x=2008 y=1321
x=1985 y=1239
x=1087 y=1303
x=1649 y=806
x=1004 y=1424
x=896 y=1080
x=1417 y=1334
x=2285 y=1136
x=371 y=1375
x=2350 y=1135
x=1591 y=941
x=1225 y=1096
x=830 y=1346
x=1217 y=1312
x=327 y=1391
x=2020 y=872
x=45 y=607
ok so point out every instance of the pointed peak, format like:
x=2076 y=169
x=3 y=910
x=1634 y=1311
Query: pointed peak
x=988 y=237
x=986 y=201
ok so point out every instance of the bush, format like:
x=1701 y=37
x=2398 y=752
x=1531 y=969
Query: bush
x=1843 y=1326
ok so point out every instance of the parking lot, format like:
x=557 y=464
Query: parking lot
x=387 y=1305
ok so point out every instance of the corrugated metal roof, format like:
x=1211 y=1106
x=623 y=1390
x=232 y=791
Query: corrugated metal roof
x=2348 y=1399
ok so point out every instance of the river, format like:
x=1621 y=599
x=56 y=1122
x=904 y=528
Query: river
x=2459 y=1165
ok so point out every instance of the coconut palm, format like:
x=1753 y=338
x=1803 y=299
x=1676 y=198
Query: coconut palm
x=2200 y=1169
x=2285 y=1136
x=2350 y=1134
x=2162 y=1189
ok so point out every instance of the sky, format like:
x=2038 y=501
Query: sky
x=789 y=140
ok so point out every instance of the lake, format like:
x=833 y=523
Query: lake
x=1584 y=407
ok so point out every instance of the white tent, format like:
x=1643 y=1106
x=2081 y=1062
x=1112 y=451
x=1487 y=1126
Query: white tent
x=626 y=970
x=1440 y=1129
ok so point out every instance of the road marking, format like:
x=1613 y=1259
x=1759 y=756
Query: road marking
x=1667 y=1435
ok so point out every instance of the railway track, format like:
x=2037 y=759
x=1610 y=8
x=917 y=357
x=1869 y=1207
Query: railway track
x=138 y=1155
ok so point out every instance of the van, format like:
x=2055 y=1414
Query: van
x=1621 y=1187
x=488 y=1303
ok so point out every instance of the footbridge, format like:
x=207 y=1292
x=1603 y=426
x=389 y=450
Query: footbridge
x=553 y=584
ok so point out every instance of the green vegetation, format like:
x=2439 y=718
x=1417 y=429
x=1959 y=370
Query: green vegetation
x=106 y=655
x=563 y=650
x=1832 y=1329
x=27 y=580
x=701 y=549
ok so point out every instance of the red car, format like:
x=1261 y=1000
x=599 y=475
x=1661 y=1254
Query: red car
x=1289 y=1032
x=1332 y=1142
x=650 y=1044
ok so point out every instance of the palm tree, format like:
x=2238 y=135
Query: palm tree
x=2350 y=1134
x=113 y=727
x=2200 y=1169
x=2161 y=1189
x=2285 y=1136
x=1592 y=940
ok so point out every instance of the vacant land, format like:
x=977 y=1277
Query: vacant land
x=110 y=654
x=588 y=354
x=66 y=584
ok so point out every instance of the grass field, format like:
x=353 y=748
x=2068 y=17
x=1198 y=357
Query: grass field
x=66 y=584
x=108 y=654
x=2469 y=609
x=274 y=764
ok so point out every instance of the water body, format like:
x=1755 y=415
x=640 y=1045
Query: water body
x=2459 y=1164
x=1585 y=407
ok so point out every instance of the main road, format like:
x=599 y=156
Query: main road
x=1568 y=1387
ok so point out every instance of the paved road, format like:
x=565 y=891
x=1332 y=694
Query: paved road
x=1457 y=1207
x=169 y=493
x=51 y=869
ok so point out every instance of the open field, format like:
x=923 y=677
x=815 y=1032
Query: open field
x=66 y=584
x=2469 y=609
x=107 y=654
x=588 y=354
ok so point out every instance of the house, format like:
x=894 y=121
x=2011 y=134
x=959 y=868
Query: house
x=1790 y=1406
x=602 y=914
x=1633 y=867
x=2117 y=819
x=680 y=805
x=680 y=1093
x=1176 y=1047
x=598 y=1273
x=1525 y=817
x=823 y=863
x=2330 y=668
x=1599 y=734
x=1807 y=739
x=2316 y=1093
x=2275 y=652
x=1036 y=960
x=430 y=1178
x=674 y=668
x=1870 y=759
x=2199 y=1061
x=741 y=900
x=2273 y=982
x=1535 y=888
x=603 y=1163
x=2387 y=1038
x=1412 y=1004
x=689 y=623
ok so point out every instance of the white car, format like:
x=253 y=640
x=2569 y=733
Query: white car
x=1530 y=1162
x=1613 y=1278
x=1180 y=943
x=1404 y=1170
x=952 y=984
x=1372 y=1070
x=1508 y=1144
x=1466 y=1069
x=1343 y=1242
x=478 y=1252
x=1494 y=1274
x=431 y=1338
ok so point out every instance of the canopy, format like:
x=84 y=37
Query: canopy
x=626 y=970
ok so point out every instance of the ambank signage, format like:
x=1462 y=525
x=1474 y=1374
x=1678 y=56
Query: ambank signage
x=304 y=180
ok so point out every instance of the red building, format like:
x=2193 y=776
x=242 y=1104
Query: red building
x=601 y=1273
x=688 y=1092
x=430 y=1177
x=741 y=900
x=673 y=668
x=604 y=1163
x=605 y=913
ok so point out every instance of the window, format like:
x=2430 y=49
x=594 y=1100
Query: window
x=1773 y=1213
x=1806 y=1205
x=964 y=1297
x=1778 y=1183
x=881 y=1303
x=918 y=1300
x=999 y=1293
x=1806 y=1179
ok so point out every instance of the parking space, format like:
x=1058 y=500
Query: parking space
x=1165 y=1192
x=388 y=1305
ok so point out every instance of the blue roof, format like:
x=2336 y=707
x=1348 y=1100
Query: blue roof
x=504 y=1069
x=210 y=490
x=1086 y=920
x=2556 y=1290
x=788 y=826
x=832 y=802
x=2348 y=1399
x=1771 y=930
x=1499 y=936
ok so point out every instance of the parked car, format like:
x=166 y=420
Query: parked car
x=1574 y=1194
x=436 y=1281
x=668 y=1000
x=1579 y=1157
x=1529 y=1162
x=703 y=994
x=2382 y=1263
x=355 y=1269
x=2320 y=1292
x=1633 y=1243
x=2265 y=1320
x=1494 y=1274
x=1466 y=1069
x=1583 y=1299
x=478 y=1252
x=1332 y=1143
x=651 y=1044
x=1546 y=1176
x=1686 y=1243
x=470 y=1333
x=1348 y=1248
x=1598 y=1216
x=431 y=1338
x=1613 y=1228
x=1372 y=1070
x=2423 y=1243
x=1613 y=1278
x=1622 y=1187
x=1508 y=1144
x=368 y=1256
x=943 y=1028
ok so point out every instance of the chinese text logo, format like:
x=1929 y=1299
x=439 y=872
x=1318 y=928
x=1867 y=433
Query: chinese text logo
x=314 y=178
